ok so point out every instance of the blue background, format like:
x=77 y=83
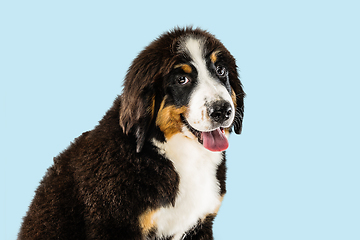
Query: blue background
x=294 y=171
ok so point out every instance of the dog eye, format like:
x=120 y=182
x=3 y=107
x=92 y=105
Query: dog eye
x=220 y=71
x=183 y=80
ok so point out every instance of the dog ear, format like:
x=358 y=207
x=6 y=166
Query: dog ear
x=136 y=114
x=142 y=85
x=239 y=115
x=239 y=100
x=138 y=99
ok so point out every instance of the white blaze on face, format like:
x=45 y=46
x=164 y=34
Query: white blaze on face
x=208 y=90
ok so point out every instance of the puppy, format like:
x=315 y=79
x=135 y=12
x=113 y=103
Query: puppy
x=154 y=167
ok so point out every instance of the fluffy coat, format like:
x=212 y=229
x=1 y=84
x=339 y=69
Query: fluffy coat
x=112 y=181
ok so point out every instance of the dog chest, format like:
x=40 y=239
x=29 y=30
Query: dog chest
x=199 y=190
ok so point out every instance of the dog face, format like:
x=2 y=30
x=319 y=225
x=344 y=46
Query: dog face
x=184 y=82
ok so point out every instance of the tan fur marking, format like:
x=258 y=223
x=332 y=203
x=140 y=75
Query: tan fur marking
x=233 y=97
x=221 y=199
x=227 y=131
x=185 y=67
x=152 y=107
x=213 y=56
x=146 y=221
x=169 y=120
x=216 y=210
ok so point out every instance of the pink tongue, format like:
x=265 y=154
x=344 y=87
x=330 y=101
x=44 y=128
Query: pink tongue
x=215 y=140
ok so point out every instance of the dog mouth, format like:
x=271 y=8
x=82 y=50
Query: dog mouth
x=214 y=140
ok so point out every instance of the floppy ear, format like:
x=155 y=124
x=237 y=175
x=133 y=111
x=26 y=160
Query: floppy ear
x=138 y=98
x=239 y=115
x=142 y=85
x=239 y=96
x=136 y=114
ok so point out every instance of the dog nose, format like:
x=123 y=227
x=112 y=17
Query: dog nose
x=220 y=111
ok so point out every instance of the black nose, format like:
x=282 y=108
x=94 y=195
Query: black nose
x=220 y=111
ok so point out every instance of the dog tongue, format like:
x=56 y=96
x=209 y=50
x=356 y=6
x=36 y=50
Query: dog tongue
x=215 y=141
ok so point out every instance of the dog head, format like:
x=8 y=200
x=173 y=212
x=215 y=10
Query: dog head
x=184 y=82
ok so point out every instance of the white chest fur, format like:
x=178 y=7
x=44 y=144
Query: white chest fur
x=199 y=190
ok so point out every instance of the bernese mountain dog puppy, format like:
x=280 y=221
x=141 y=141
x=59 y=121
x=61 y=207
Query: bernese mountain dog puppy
x=154 y=167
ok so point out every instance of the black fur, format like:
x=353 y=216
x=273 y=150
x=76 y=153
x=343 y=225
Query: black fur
x=100 y=185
